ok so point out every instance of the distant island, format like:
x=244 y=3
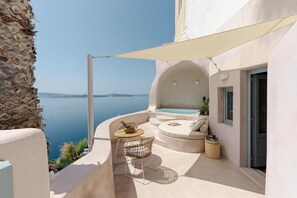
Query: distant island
x=61 y=95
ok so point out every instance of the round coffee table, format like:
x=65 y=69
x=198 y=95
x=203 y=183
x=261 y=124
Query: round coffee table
x=122 y=134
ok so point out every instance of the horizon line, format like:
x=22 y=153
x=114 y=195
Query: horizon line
x=93 y=94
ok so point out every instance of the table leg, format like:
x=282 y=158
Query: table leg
x=119 y=147
x=116 y=151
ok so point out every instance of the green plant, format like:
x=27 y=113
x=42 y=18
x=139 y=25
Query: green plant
x=68 y=151
x=205 y=108
x=68 y=154
x=79 y=148
x=62 y=163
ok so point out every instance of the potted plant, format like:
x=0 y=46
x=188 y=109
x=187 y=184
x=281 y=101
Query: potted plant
x=129 y=127
x=205 y=108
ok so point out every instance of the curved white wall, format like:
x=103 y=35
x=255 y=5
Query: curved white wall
x=92 y=175
x=185 y=94
x=26 y=150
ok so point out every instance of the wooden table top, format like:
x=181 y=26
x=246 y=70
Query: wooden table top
x=122 y=133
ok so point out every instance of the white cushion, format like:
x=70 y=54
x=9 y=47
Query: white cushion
x=182 y=131
x=204 y=127
x=198 y=124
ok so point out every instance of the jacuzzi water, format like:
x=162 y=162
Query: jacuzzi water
x=178 y=111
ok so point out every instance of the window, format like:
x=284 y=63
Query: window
x=228 y=105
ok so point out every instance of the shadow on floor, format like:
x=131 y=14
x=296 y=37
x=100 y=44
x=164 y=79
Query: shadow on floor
x=125 y=185
x=159 y=174
x=223 y=172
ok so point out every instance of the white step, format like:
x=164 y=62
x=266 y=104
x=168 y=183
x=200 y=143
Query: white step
x=153 y=114
x=154 y=122
x=163 y=118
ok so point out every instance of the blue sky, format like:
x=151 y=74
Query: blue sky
x=69 y=30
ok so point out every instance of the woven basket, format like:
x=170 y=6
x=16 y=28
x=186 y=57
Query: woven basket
x=212 y=149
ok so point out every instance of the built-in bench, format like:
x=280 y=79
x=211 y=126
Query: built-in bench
x=181 y=137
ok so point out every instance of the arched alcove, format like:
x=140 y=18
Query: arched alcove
x=182 y=86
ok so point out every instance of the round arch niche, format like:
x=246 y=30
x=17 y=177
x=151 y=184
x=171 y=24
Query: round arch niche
x=183 y=86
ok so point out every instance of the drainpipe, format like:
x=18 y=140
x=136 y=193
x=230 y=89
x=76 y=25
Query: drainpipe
x=90 y=103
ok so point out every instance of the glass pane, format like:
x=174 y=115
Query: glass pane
x=229 y=106
x=262 y=105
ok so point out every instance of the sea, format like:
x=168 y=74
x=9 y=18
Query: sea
x=66 y=117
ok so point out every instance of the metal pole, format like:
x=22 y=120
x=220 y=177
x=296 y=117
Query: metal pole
x=90 y=103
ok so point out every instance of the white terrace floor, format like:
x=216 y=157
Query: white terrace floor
x=186 y=175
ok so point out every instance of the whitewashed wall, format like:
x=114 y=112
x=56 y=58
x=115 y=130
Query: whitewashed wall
x=185 y=94
x=243 y=58
x=207 y=16
x=282 y=116
x=26 y=150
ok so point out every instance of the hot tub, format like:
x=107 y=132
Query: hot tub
x=179 y=111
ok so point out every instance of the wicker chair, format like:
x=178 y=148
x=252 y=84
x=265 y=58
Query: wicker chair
x=135 y=125
x=139 y=150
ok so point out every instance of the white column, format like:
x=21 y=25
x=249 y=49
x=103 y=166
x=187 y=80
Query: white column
x=90 y=103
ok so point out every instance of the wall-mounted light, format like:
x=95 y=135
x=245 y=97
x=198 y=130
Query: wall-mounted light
x=224 y=76
x=174 y=83
x=197 y=82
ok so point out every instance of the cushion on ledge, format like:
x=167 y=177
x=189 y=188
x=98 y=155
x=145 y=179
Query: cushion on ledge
x=198 y=124
x=204 y=127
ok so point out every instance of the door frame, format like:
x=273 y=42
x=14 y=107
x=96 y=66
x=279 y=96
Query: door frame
x=248 y=112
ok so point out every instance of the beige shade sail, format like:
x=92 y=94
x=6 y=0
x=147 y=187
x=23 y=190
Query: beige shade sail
x=211 y=45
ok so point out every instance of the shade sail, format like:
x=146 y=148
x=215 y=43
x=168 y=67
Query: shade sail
x=210 y=45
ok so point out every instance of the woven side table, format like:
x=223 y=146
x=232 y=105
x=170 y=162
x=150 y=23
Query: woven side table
x=212 y=149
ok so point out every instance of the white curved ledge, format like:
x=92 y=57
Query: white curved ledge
x=92 y=175
x=26 y=150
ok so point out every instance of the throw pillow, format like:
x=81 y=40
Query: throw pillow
x=198 y=124
x=204 y=127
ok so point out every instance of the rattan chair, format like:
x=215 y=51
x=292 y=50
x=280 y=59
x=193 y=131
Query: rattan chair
x=118 y=147
x=138 y=150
